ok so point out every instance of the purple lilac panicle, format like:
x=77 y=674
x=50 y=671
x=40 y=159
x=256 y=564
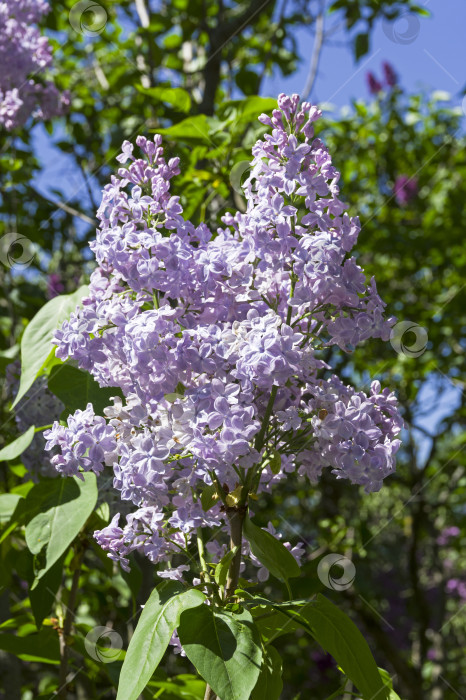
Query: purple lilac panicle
x=390 y=76
x=374 y=85
x=214 y=341
x=24 y=55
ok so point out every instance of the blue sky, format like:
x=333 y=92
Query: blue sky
x=433 y=57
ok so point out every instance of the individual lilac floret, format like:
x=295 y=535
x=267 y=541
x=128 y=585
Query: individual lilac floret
x=216 y=343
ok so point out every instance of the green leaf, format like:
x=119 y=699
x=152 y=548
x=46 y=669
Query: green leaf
x=221 y=570
x=38 y=532
x=247 y=81
x=36 y=343
x=44 y=593
x=8 y=503
x=66 y=510
x=174 y=41
x=177 y=97
x=420 y=10
x=285 y=617
x=269 y=684
x=224 y=647
x=270 y=552
x=361 y=45
x=42 y=647
x=339 y=636
x=276 y=462
x=103 y=513
x=77 y=388
x=388 y=682
x=273 y=623
x=171 y=398
x=31 y=504
x=18 y=446
x=251 y=108
x=184 y=685
x=192 y=130
x=159 y=618
x=209 y=497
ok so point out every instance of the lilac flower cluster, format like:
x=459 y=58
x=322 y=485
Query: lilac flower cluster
x=355 y=433
x=216 y=340
x=24 y=55
x=86 y=442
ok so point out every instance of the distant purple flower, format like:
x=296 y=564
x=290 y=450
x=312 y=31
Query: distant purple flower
x=323 y=661
x=433 y=654
x=405 y=189
x=391 y=77
x=447 y=534
x=55 y=285
x=373 y=84
x=457 y=586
